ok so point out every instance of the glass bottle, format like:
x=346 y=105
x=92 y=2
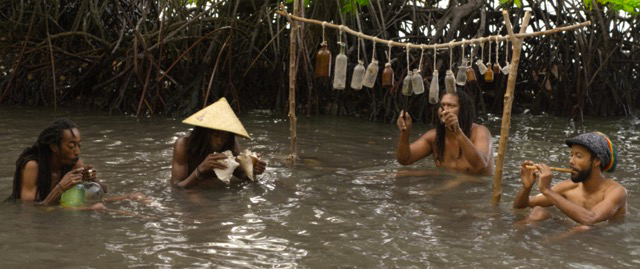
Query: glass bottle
x=461 y=77
x=450 y=82
x=358 y=76
x=496 y=68
x=471 y=74
x=434 y=88
x=340 y=75
x=371 y=74
x=488 y=76
x=417 y=83
x=387 y=76
x=406 y=84
x=73 y=197
x=481 y=67
x=323 y=61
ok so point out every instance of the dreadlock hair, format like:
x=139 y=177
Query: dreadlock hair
x=465 y=120
x=41 y=152
x=199 y=143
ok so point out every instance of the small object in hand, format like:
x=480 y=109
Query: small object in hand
x=555 y=169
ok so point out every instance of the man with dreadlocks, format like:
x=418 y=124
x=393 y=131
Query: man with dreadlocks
x=196 y=155
x=588 y=197
x=456 y=143
x=51 y=166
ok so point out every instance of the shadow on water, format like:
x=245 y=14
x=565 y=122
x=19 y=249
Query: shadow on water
x=346 y=202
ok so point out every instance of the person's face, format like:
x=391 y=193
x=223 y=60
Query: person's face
x=582 y=163
x=69 y=150
x=219 y=138
x=450 y=103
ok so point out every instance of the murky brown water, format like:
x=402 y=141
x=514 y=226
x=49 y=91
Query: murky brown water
x=342 y=205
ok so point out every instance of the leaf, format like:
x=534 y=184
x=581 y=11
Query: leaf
x=518 y=3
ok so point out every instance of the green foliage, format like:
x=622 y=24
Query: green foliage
x=352 y=5
x=306 y=2
x=629 y=6
x=517 y=2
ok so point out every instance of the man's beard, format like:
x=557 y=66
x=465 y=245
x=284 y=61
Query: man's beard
x=582 y=175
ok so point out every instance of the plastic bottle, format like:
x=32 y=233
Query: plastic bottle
x=358 y=76
x=450 y=82
x=417 y=83
x=387 y=76
x=481 y=67
x=93 y=191
x=371 y=74
x=340 y=75
x=406 y=84
x=434 y=88
x=73 y=197
x=323 y=61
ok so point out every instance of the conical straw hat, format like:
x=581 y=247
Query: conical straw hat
x=218 y=116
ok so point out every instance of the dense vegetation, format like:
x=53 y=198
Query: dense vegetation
x=172 y=57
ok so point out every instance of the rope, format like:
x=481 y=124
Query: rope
x=359 y=41
x=324 y=41
x=408 y=63
x=451 y=55
x=435 y=51
x=421 y=57
x=389 y=54
x=497 y=51
x=373 y=51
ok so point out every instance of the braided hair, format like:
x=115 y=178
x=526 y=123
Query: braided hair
x=465 y=120
x=41 y=152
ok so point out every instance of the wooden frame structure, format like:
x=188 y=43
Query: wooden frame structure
x=515 y=39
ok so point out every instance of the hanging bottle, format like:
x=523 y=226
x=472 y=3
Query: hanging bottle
x=372 y=69
x=340 y=75
x=323 y=61
x=496 y=64
x=371 y=74
x=387 y=76
x=488 y=76
x=406 y=84
x=417 y=82
x=449 y=78
x=507 y=66
x=358 y=76
x=471 y=74
x=481 y=67
x=434 y=88
x=461 y=78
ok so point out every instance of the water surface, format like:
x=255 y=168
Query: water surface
x=346 y=203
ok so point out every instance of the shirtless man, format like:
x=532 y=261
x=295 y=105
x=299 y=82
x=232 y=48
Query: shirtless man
x=456 y=143
x=51 y=166
x=195 y=156
x=588 y=197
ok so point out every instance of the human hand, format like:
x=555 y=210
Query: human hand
x=404 y=122
x=544 y=173
x=450 y=121
x=259 y=167
x=527 y=175
x=212 y=162
x=71 y=179
x=89 y=174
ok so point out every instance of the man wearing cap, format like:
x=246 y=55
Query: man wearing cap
x=588 y=197
x=196 y=155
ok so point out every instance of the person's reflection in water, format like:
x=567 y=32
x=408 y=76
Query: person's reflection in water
x=588 y=197
x=196 y=155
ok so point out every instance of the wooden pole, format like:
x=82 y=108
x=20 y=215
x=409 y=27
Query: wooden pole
x=292 y=83
x=556 y=169
x=508 y=101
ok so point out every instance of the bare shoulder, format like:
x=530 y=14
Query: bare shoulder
x=479 y=129
x=180 y=144
x=614 y=187
x=31 y=166
x=563 y=186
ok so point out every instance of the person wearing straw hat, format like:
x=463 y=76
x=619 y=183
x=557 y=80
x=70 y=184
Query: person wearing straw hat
x=196 y=155
x=456 y=143
x=588 y=197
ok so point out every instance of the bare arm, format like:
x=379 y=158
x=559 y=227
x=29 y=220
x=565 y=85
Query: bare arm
x=180 y=168
x=409 y=153
x=29 y=188
x=477 y=149
x=528 y=178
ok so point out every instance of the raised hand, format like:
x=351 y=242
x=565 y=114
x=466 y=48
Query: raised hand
x=71 y=179
x=527 y=175
x=404 y=121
